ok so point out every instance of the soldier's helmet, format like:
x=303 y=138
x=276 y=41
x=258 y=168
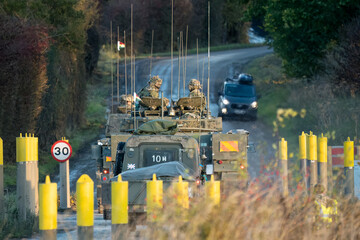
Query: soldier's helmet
x=126 y=98
x=194 y=84
x=155 y=79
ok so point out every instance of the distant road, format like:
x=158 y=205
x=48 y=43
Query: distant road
x=222 y=64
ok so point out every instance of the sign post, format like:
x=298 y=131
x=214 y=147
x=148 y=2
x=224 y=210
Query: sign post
x=61 y=151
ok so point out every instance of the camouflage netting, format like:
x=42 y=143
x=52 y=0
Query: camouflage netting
x=157 y=127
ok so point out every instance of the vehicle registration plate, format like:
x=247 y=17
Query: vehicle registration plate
x=237 y=111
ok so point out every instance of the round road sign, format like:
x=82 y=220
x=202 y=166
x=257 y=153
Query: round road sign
x=61 y=151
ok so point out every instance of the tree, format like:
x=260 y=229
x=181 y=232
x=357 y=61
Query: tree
x=302 y=30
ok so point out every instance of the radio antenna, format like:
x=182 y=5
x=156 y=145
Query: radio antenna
x=208 y=83
x=172 y=46
x=111 y=69
x=152 y=46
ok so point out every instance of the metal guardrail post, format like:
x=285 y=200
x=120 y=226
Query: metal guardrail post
x=349 y=168
x=119 y=208
x=85 y=207
x=154 y=196
x=48 y=209
x=213 y=191
x=283 y=160
x=27 y=179
x=322 y=161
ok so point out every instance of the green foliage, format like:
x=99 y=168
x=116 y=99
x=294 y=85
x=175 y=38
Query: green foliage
x=10 y=226
x=301 y=31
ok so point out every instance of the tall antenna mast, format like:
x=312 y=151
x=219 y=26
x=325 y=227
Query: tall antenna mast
x=125 y=64
x=187 y=33
x=117 y=67
x=208 y=83
x=183 y=61
x=125 y=70
x=111 y=69
x=172 y=43
x=131 y=57
x=179 y=50
x=197 y=58
x=151 y=51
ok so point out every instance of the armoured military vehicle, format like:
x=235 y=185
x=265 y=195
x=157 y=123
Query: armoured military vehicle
x=184 y=136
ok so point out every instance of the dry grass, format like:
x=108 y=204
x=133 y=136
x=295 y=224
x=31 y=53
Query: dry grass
x=254 y=213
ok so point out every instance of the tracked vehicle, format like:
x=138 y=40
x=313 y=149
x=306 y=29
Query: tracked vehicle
x=182 y=140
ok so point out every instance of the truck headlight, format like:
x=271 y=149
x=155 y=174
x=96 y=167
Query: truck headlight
x=225 y=101
x=254 y=104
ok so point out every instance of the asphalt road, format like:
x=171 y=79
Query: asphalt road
x=223 y=64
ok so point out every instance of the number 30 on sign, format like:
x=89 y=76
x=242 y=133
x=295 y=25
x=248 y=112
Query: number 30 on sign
x=61 y=151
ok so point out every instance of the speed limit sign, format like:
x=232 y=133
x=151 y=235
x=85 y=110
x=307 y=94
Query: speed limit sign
x=61 y=151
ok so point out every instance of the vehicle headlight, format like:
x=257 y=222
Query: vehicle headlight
x=225 y=101
x=254 y=104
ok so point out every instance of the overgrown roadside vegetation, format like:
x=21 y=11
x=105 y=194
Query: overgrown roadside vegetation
x=290 y=106
x=95 y=111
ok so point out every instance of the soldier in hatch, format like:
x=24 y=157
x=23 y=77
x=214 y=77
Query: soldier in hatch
x=125 y=103
x=195 y=91
x=152 y=90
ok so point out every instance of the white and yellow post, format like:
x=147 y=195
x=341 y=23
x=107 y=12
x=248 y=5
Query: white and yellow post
x=27 y=179
x=312 y=157
x=349 y=168
x=283 y=160
x=322 y=161
x=303 y=160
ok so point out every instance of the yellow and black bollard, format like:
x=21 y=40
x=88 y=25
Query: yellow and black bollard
x=303 y=160
x=349 y=168
x=48 y=209
x=154 y=196
x=1 y=179
x=283 y=160
x=212 y=191
x=322 y=160
x=119 y=208
x=312 y=157
x=85 y=207
x=27 y=179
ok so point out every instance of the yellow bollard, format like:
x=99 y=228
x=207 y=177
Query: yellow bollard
x=85 y=207
x=349 y=167
x=27 y=179
x=119 y=208
x=154 y=196
x=322 y=160
x=213 y=191
x=283 y=160
x=182 y=193
x=311 y=147
x=48 y=209
x=311 y=142
x=302 y=146
x=303 y=160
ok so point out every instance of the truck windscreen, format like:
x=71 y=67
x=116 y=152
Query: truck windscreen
x=152 y=156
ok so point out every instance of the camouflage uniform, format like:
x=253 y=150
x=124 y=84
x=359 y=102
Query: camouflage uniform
x=194 y=88
x=125 y=103
x=152 y=90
